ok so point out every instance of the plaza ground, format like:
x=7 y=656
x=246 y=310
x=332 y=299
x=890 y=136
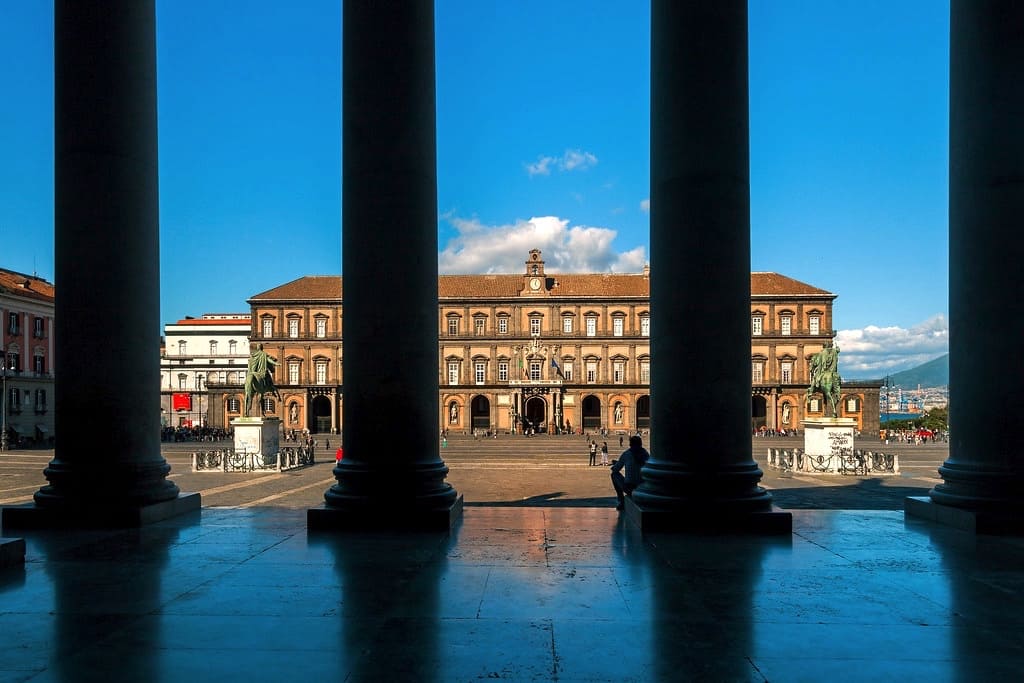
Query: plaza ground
x=541 y=580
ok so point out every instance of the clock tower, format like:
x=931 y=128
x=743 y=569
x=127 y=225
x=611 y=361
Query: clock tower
x=534 y=280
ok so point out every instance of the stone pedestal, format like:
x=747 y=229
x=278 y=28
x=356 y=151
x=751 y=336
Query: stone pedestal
x=826 y=441
x=260 y=436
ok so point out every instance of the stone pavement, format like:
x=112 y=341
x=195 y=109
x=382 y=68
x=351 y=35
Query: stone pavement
x=515 y=594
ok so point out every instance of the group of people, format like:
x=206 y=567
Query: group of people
x=594 y=448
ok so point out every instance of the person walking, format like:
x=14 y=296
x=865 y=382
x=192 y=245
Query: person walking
x=604 y=454
x=593 y=452
x=632 y=459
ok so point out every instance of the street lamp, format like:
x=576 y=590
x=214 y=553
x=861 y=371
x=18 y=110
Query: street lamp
x=3 y=403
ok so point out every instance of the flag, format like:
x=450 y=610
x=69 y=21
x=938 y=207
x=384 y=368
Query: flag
x=558 y=370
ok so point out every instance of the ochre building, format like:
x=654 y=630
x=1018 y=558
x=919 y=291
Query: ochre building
x=543 y=351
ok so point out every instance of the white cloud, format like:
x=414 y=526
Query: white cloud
x=571 y=160
x=645 y=205
x=542 y=167
x=875 y=351
x=480 y=248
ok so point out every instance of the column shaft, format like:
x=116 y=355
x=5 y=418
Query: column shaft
x=985 y=469
x=107 y=258
x=389 y=241
x=700 y=262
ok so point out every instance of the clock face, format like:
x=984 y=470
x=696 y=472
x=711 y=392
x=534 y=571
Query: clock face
x=535 y=283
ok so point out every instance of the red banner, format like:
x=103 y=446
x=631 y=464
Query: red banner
x=181 y=401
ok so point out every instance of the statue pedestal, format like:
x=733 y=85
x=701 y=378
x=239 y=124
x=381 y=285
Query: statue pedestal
x=827 y=440
x=260 y=436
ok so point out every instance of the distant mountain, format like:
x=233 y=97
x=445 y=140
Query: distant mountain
x=934 y=373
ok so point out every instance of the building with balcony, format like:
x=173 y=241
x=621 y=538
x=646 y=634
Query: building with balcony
x=199 y=353
x=545 y=351
x=26 y=343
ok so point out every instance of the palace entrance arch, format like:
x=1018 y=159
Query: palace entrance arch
x=320 y=415
x=758 y=412
x=591 y=412
x=643 y=412
x=536 y=414
x=480 y=411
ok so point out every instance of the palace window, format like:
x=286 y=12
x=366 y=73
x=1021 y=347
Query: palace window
x=232 y=347
x=213 y=348
x=645 y=326
x=787 y=372
x=14 y=400
x=268 y=405
x=478 y=326
x=757 y=326
x=591 y=326
x=200 y=378
x=503 y=325
x=268 y=328
x=814 y=324
x=293 y=372
x=38 y=327
x=591 y=371
x=535 y=370
x=645 y=372
x=503 y=371
x=40 y=400
x=814 y=405
x=786 y=325
x=321 y=372
x=321 y=328
x=567 y=324
x=39 y=364
x=757 y=368
x=293 y=328
x=617 y=327
x=535 y=326
x=12 y=324
x=480 y=372
x=181 y=348
x=567 y=370
x=618 y=372
x=453 y=373
x=14 y=361
x=182 y=381
x=852 y=405
x=234 y=405
x=453 y=326
x=223 y=377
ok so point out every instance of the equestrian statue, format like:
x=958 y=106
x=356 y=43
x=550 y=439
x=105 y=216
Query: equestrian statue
x=825 y=377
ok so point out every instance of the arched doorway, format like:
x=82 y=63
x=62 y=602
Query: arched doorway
x=480 y=409
x=758 y=412
x=536 y=414
x=591 y=412
x=643 y=412
x=320 y=417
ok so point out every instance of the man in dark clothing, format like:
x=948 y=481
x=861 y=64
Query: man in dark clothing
x=593 y=453
x=632 y=459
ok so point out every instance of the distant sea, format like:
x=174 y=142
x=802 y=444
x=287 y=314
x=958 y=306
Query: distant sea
x=885 y=417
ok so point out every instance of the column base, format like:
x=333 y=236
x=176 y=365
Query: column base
x=12 y=552
x=964 y=519
x=709 y=519
x=383 y=518
x=94 y=514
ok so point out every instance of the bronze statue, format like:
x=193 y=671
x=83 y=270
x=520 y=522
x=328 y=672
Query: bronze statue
x=825 y=377
x=259 y=379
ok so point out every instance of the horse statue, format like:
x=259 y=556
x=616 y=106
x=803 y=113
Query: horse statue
x=259 y=378
x=825 y=377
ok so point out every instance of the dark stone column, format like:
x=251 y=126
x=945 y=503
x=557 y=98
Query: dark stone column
x=107 y=468
x=389 y=240
x=983 y=479
x=702 y=473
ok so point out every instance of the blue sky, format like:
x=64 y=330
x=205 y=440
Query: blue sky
x=543 y=141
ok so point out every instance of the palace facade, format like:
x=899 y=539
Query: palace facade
x=543 y=351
